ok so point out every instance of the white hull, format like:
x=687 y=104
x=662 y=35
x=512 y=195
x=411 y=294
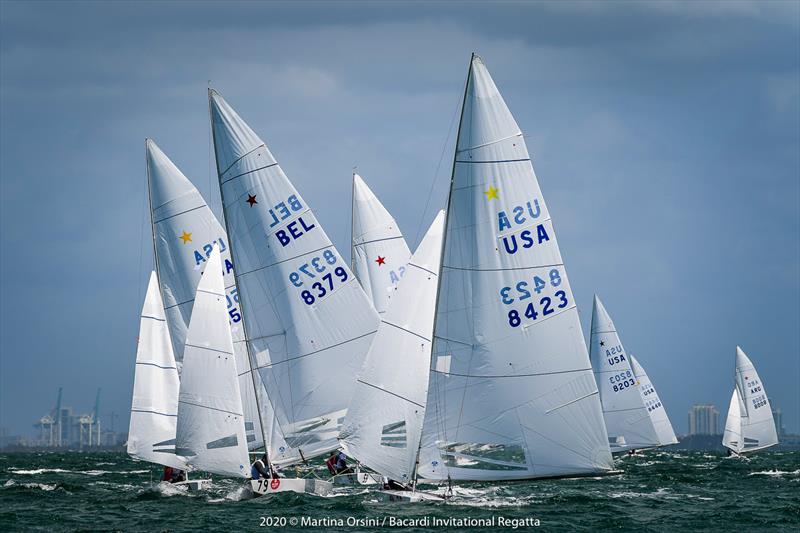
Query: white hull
x=260 y=487
x=357 y=478
x=194 y=484
x=409 y=496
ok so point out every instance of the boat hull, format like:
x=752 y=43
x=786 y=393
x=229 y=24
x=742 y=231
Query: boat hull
x=408 y=496
x=194 y=484
x=357 y=478
x=261 y=487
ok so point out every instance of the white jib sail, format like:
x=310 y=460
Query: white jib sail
x=656 y=410
x=756 y=421
x=154 y=409
x=511 y=392
x=379 y=252
x=627 y=419
x=733 y=424
x=185 y=229
x=308 y=322
x=210 y=432
x=384 y=422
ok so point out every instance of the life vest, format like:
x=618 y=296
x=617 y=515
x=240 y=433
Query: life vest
x=331 y=464
x=254 y=473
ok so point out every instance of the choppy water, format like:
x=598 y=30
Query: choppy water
x=658 y=491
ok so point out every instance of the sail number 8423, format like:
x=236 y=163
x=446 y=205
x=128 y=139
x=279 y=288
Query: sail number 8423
x=522 y=291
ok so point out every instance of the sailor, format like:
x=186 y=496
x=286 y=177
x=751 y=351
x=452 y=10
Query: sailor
x=259 y=468
x=178 y=476
x=632 y=451
x=337 y=463
x=168 y=473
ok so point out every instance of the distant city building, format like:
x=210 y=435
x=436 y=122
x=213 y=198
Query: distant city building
x=703 y=420
x=778 y=416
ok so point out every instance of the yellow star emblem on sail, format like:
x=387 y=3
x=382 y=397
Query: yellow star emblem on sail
x=186 y=237
x=491 y=193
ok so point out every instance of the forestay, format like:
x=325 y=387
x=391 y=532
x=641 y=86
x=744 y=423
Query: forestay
x=627 y=419
x=656 y=410
x=210 y=432
x=384 y=422
x=511 y=392
x=308 y=322
x=154 y=409
x=184 y=230
x=379 y=251
x=756 y=425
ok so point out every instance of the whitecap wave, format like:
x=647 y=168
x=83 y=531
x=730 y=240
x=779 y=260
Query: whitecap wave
x=776 y=473
x=42 y=486
x=39 y=471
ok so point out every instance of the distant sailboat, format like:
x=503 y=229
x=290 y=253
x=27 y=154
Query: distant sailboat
x=210 y=430
x=384 y=422
x=184 y=231
x=750 y=425
x=154 y=409
x=656 y=410
x=511 y=393
x=627 y=419
x=308 y=322
x=379 y=251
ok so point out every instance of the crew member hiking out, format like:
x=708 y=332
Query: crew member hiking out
x=337 y=463
x=259 y=469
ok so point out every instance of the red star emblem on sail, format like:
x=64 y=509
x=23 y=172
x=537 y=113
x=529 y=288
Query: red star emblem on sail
x=380 y=260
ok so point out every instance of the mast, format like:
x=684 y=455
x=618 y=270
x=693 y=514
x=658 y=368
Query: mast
x=241 y=300
x=353 y=222
x=441 y=253
x=152 y=218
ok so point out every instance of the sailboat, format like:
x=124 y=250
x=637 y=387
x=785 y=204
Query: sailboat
x=627 y=419
x=154 y=408
x=210 y=430
x=379 y=252
x=384 y=422
x=750 y=425
x=307 y=321
x=184 y=232
x=656 y=409
x=511 y=394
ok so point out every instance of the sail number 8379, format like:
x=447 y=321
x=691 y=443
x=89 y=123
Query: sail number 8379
x=316 y=268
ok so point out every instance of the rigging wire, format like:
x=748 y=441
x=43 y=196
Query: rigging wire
x=139 y=300
x=436 y=173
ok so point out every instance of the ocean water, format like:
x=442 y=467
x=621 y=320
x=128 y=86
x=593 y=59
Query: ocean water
x=657 y=491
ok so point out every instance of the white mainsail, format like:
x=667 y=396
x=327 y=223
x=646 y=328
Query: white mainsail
x=511 y=393
x=384 y=422
x=750 y=425
x=627 y=420
x=308 y=322
x=379 y=251
x=210 y=431
x=656 y=410
x=184 y=231
x=154 y=409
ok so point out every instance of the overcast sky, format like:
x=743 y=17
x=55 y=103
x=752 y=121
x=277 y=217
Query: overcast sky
x=665 y=136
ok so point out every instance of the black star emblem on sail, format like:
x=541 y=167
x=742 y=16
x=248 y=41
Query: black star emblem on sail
x=602 y=343
x=251 y=199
